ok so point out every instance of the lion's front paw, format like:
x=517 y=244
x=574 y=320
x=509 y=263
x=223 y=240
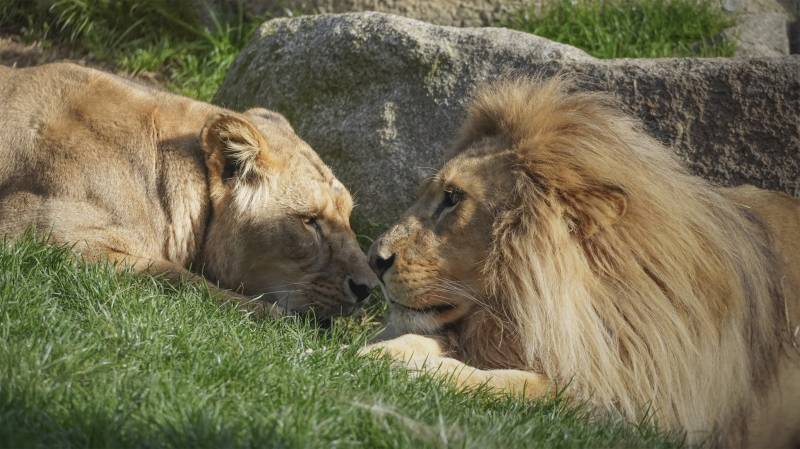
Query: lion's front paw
x=405 y=348
x=395 y=351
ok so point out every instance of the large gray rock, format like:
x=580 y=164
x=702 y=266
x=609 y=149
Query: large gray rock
x=380 y=97
x=794 y=37
x=456 y=12
x=788 y=7
x=442 y=12
x=760 y=35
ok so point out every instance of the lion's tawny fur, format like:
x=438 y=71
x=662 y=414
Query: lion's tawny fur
x=675 y=305
x=614 y=270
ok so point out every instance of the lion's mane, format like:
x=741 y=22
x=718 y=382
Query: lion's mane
x=619 y=272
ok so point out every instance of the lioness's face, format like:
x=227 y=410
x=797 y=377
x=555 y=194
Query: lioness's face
x=281 y=221
x=430 y=262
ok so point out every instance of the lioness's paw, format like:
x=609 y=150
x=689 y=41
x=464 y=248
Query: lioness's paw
x=257 y=308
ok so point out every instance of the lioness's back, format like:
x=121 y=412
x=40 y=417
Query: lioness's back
x=80 y=147
x=61 y=98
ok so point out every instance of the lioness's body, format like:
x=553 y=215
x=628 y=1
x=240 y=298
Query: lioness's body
x=103 y=163
x=563 y=246
x=167 y=184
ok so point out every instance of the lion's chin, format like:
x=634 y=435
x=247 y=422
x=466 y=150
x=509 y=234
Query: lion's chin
x=404 y=320
x=408 y=317
x=435 y=309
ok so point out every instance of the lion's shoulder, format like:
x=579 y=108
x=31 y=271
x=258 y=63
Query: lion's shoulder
x=779 y=213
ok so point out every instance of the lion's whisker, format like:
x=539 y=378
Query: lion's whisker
x=450 y=286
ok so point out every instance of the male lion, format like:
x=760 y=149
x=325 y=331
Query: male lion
x=562 y=247
x=167 y=184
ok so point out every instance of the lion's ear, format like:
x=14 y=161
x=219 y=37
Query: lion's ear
x=234 y=148
x=593 y=209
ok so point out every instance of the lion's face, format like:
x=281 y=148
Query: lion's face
x=281 y=219
x=431 y=261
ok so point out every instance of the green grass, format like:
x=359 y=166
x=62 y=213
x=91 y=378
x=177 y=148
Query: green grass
x=90 y=358
x=633 y=28
x=93 y=358
x=167 y=38
x=163 y=37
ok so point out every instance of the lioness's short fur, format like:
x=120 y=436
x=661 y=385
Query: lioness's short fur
x=563 y=245
x=168 y=184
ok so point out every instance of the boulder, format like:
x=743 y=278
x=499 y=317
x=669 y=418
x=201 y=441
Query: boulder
x=788 y=7
x=380 y=97
x=454 y=12
x=442 y=12
x=760 y=35
x=794 y=37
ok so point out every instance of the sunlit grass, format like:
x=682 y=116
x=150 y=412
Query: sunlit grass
x=159 y=37
x=97 y=359
x=633 y=28
x=94 y=358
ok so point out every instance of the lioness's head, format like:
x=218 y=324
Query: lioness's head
x=525 y=180
x=280 y=224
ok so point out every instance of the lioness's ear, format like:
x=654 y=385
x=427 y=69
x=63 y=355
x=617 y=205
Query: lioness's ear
x=271 y=116
x=592 y=209
x=234 y=148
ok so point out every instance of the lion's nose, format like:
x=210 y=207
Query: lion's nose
x=361 y=291
x=380 y=263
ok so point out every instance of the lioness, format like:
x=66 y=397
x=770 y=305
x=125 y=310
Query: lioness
x=167 y=184
x=561 y=245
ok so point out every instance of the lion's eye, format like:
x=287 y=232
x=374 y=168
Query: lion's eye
x=312 y=222
x=451 y=198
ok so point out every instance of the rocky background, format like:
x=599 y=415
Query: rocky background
x=766 y=27
x=458 y=12
x=380 y=96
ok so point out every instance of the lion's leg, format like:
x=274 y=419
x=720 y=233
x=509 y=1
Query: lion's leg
x=176 y=273
x=406 y=347
x=426 y=355
x=502 y=381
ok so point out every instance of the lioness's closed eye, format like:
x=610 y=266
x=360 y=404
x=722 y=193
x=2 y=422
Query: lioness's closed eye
x=168 y=184
x=563 y=245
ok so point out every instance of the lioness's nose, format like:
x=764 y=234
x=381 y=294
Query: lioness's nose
x=380 y=263
x=361 y=291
